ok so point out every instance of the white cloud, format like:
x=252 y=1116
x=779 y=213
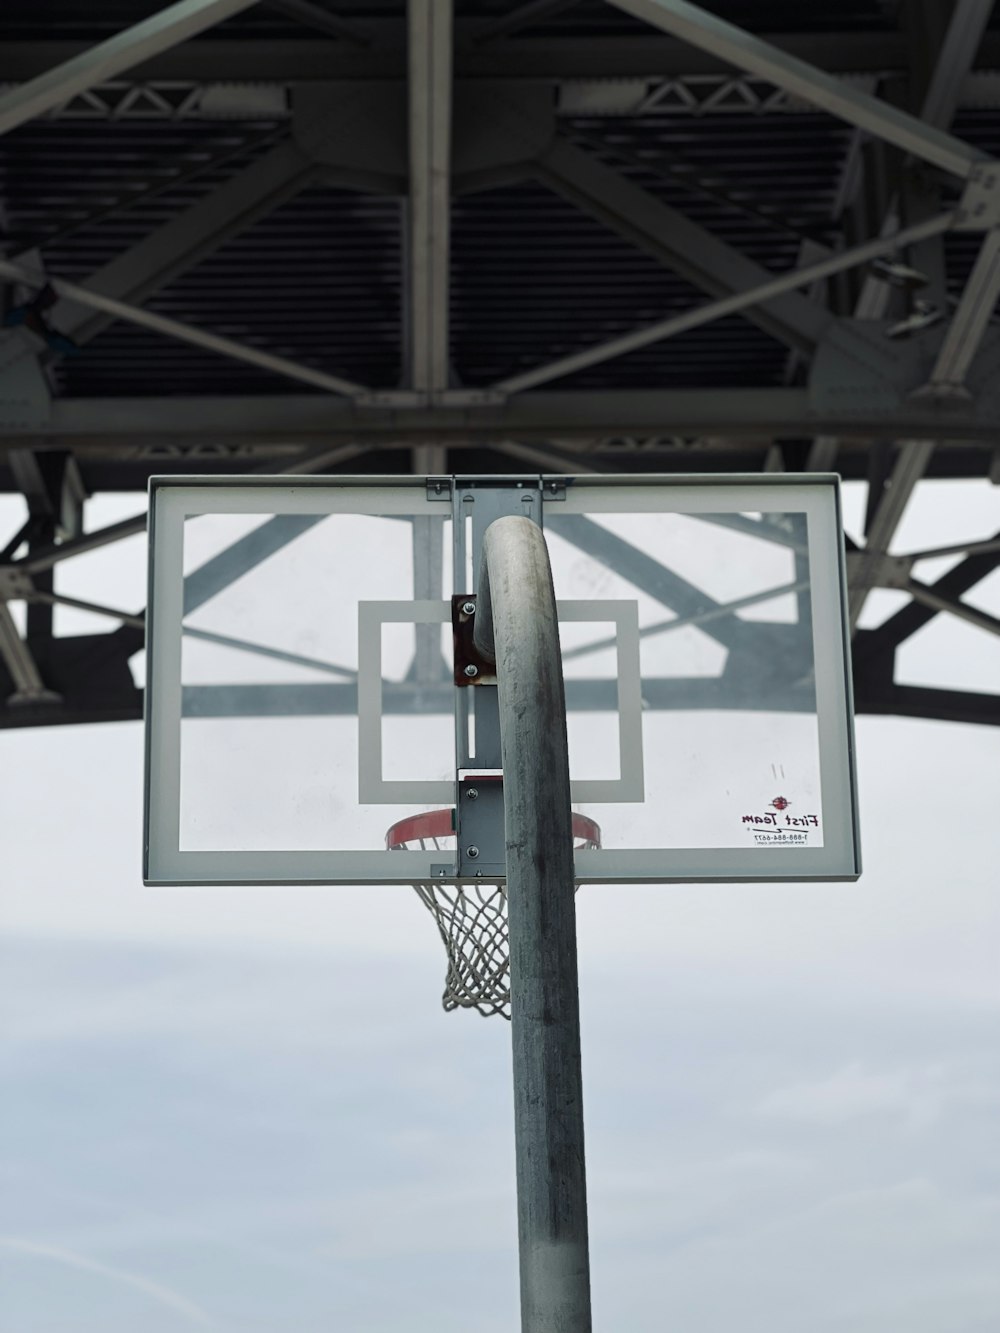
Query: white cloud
x=914 y=1095
x=156 y=1291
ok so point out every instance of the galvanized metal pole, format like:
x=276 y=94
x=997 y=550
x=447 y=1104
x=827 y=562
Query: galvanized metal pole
x=516 y=625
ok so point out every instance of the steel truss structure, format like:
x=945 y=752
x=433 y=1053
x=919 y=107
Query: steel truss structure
x=483 y=236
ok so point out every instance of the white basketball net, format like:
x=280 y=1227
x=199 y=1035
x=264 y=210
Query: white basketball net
x=472 y=921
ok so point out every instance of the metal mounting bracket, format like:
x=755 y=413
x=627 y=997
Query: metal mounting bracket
x=979 y=207
x=471 y=668
x=479 y=823
x=858 y=371
x=892 y=571
x=15 y=584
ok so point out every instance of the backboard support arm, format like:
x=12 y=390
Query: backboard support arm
x=516 y=625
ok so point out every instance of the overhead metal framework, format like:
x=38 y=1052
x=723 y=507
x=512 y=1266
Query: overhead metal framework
x=490 y=236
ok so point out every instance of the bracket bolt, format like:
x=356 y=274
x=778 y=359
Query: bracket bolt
x=472 y=852
x=473 y=794
x=471 y=670
x=469 y=608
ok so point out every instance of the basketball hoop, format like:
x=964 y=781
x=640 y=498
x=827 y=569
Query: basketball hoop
x=471 y=917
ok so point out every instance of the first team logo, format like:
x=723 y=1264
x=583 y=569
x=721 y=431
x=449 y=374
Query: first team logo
x=775 y=827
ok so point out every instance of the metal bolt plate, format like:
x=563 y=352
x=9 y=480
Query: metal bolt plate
x=471 y=668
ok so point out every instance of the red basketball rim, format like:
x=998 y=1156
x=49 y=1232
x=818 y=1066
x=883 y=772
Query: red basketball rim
x=441 y=824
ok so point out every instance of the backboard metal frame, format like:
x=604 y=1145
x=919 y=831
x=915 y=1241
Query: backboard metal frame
x=172 y=499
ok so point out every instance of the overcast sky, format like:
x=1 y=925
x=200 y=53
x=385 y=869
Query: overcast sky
x=244 y=1110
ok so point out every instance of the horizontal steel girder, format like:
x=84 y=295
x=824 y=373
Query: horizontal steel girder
x=100 y=694
x=310 y=60
x=737 y=414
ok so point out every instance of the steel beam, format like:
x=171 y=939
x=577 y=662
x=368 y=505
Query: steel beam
x=648 y=575
x=86 y=678
x=943 y=49
x=427 y=546
x=429 y=248
x=534 y=11
x=883 y=641
x=310 y=699
x=970 y=320
x=822 y=456
x=94 y=608
x=43 y=558
x=954 y=63
x=742 y=416
x=315 y=16
x=963 y=39
x=21 y=667
x=188 y=238
x=549 y=59
x=941 y=705
x=990 y=546
x=173 y=328
x=697 y=620
x=738 y=303
x=920 y=592
x=765 y=60
x=677 y=242
x=131 y=467
x=910 y=466
x=117 y=700
x=145 y=182
x=676 y=168
x=262 y=650
x=231 y=563
x=50 y=481
x=123 y=51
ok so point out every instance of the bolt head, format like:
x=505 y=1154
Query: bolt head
x=471 y=670
x=472 y=852
x=473 y=793
x=469 y=608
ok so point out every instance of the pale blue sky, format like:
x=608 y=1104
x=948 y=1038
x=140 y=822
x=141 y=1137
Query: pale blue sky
x=245 y=1111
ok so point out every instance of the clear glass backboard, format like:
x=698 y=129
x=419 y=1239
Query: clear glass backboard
x=302 y=694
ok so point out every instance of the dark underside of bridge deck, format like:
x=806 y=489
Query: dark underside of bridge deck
x=491 y=237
